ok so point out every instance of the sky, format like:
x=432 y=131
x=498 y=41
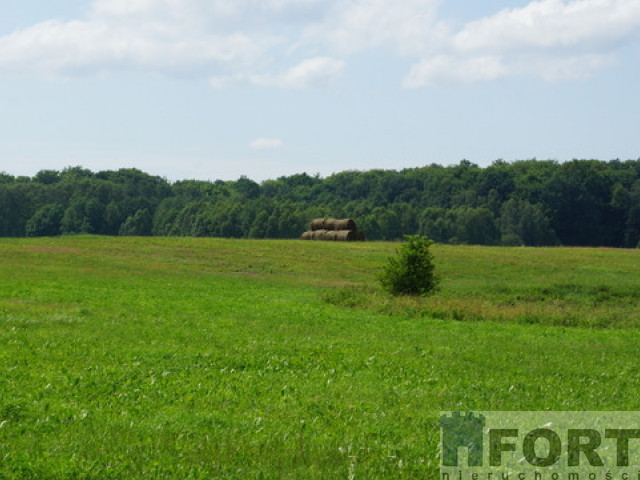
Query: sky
x=218 y=89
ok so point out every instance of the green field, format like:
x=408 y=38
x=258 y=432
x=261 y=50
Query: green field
x=207 y=358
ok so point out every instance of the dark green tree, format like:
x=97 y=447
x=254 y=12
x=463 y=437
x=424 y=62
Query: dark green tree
x=259 y=225
x=47 y=177
x=247 y=188
x=138 y=224
x=475 y=226
x=524 y=224
x=45 y=222
x=74 y=219
x=411 y=271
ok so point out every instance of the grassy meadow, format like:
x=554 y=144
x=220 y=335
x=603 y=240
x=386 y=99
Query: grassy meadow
x=184 y=358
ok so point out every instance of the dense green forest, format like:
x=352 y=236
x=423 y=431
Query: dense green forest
x=582 y=202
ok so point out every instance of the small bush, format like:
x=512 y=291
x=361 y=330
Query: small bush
x=411 y=271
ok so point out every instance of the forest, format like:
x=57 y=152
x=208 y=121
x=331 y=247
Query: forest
x=528 y=202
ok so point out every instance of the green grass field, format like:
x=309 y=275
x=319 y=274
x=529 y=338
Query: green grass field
x=207 y=358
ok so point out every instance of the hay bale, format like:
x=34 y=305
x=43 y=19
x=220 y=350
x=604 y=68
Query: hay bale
x=317 y=224
x=339 y=224
x=330 y=224
x=318 y=234
x=344 y=224
x=345 y=235
x=333 y=224
x=331 y=235
x=333 y=229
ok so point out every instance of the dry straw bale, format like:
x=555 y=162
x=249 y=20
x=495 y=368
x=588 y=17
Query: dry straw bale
x=333 y=229
x=333 y=224
x=330 y=223
x=345 y=235
x=339 y=224
x=318 y=234
x=317 y=224
x=344 y=224
x=331 y=235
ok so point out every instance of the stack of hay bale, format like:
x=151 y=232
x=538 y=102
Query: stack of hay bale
x=343 y=229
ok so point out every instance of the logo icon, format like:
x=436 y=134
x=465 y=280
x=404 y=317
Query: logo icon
x=462 y=430
x=540 y=445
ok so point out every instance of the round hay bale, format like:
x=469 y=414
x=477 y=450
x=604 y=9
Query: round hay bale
x=317 y=224
x=331 y=235
x=339 y=224
x=306 y=235
x=330 y=224
x=345 y=235
x=344 y=224
x=318 y=234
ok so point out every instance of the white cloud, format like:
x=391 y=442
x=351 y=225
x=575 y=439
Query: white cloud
x=266 y=144
x=546 y=24
x=225 y=40
x=257 y=41
x=317 y=72
x=451 y=70
x=550 y=39
x=313 y=72
x=355 y=25
x=98 y=44
x=168 y=36
x=554 y=69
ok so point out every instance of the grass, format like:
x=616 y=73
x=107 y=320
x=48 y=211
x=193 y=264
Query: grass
x=208 y=358
x=550 y=286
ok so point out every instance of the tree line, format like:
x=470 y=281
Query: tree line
x=531 y=202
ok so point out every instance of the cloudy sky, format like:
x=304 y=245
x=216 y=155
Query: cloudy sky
x=216 y=89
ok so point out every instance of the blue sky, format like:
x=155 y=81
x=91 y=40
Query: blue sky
x=216 y=89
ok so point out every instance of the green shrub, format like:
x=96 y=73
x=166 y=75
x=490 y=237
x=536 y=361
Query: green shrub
x=411 y=271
